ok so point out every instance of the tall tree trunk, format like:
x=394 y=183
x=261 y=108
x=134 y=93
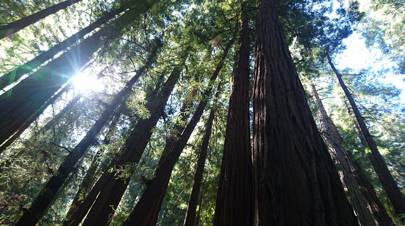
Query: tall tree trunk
x=24 y=125
x=235 y=198
x=190 y=219
x=47 y=194
x=391 y=188
x=37 y=61
x=297 y=182
x=90 y=176
x=357 y=196
x=8 y=29
x=147 y=209
x=112 y=191
x=58 y=116
x=21 y=102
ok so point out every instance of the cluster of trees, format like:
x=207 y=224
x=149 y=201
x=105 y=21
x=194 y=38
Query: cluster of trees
x=210 y=112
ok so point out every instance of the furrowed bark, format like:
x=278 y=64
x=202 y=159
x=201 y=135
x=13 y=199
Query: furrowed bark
x=190 y=219
x=235 y=197
x=362 y=205
x=11 y=28
x=21 y=102
x=28 y=67
x=297 y=182
x=47 y=194
x=147 y=209
x=110 y=195
x=388 y=183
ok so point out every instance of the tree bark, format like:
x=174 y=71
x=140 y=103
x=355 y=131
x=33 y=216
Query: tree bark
x=115 y=186
x=21 y=102
x=235 y=197
x=37 y=61
x=47 y=194
x=147 y=209
x=11 y=28
x=368 y=211
x=297 y=182
x=90 y=176
x=190 y=219
x=390 y=186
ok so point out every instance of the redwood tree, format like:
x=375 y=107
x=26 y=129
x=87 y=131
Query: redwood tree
x=390 y=186
x=297 y=182
x=235 y=198
x=191 y=218
x=11 y=28
x=23 y=101
x=370 y=211
x=113 y=187
x=48 y=193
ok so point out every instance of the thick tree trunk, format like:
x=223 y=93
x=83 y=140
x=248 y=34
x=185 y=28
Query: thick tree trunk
x=235 y=198
x=147 y=209
x=362 y=205
x=90 y=176
x=31 y=65
x=110 y=195
x=21 y=102
x=297 y=182
x=11 y=28
x=47 y=194
x=391 y=188
x=190 y=219
x=24 y=125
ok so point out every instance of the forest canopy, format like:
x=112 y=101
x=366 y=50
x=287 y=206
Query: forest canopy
x=202 y=112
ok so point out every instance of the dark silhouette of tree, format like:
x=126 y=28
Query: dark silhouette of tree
x=289 y=153
x=390 y=186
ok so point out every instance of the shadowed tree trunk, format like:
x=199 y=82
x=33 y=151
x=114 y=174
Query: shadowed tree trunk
x=21 y=102
x=90 y=176
x=235 y=197
x=364 y=207
x=110 y=195
x=390 y=186
x=48 y=193
x=37 y=61
x=147 y=208
x=297 y=182
x=8 y=29
x=190 y=219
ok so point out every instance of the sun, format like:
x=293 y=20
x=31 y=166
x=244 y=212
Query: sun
x=86 y=83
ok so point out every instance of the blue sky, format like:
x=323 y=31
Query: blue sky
x=357 y=57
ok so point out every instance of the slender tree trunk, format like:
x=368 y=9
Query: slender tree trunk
x=21 y=102
x=58 y=116
x=147 y=209
x=31 y=65
x=391 y=188
x=47 y=194
x=235 y=198
x=90 y=177
x=11 y=28
x=357 y=196
x=190 y=219
x=297 y=182
x=110 y=195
